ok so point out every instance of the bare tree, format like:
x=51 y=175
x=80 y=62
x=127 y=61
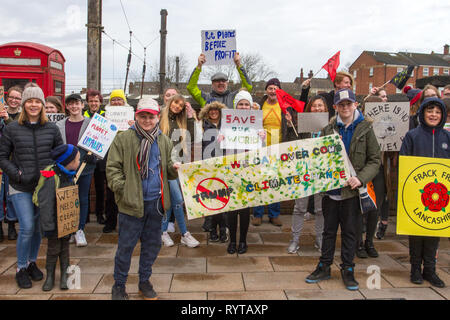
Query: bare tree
x=171 y=69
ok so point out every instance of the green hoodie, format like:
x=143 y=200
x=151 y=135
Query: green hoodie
x=123 y=176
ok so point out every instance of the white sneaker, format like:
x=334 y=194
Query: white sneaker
x=189 y=240
x=308 y=216
x=72 y=238
x=171 y=227
x=166 y=239
x=293 y=247
x=80 y=239
x=318 y=243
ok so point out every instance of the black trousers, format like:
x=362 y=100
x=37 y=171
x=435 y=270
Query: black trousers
x=244 y=222
x=111 y=210
x=423 y=249
x=344 y=214
x=218 y=220
x=99 y=181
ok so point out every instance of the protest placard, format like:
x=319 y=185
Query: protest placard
x=68 y=210
x=120 y=116
x=423 y=196
x=280 y=172
x=240 y=128
x=98 y=136
x=219 y=46
x=311 y=121
x=55 y=117
x=390 y=123
x=2 y=98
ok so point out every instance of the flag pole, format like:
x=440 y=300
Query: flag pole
x=290 y=121
x=370 y=93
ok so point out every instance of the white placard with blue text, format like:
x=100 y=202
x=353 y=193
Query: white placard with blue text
x=240 y=129
x=98 y=136
x=219 y=46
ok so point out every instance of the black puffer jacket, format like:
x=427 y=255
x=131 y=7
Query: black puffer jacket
x=26 y=148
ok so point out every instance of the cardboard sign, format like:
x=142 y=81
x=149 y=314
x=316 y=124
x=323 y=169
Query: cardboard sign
x=391 y=123
x=68 y=210
x=312 y=121
x=281 y=172
x=423 y=197
x=120 y=116
x=55 y=117
x=240 y=128
x=2 y=98
x=98 y=136
x=219 y=46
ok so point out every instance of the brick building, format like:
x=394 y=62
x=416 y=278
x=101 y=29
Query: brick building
x=374 y=68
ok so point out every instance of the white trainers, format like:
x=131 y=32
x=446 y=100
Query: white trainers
x=318 y=243
x=166 y=239
x=308 y=216
x=80 y=239
x=188 y=240
x=293 y=247
x=171 y=227
x=72 y=238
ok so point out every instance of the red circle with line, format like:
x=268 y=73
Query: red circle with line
x=200 y=189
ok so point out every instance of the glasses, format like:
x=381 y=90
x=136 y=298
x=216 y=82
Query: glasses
x=15 y=98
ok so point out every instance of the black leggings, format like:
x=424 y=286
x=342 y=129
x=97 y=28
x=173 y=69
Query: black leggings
x=244 y=221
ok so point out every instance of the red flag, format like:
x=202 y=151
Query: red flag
x=285 y=101
x=332 y=65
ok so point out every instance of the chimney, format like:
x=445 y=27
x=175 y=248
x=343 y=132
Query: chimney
x=301 y=75
x=446 y=49
x=310 y=74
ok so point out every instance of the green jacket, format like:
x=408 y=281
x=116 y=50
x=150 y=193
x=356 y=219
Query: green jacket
x=364 y=154
x=227 y=98
x=123 y=176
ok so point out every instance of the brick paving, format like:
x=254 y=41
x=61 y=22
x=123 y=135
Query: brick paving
x=208 y=272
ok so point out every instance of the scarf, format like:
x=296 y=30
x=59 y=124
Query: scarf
x=147 y=139
x=70 y=173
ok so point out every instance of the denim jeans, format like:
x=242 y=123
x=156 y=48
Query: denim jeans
x=29 y=239
x=131 y=229
x=4 y=196
x=176 y=199
x=273 y=208
x=84 y=185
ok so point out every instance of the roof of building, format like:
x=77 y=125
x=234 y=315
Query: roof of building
x=409 y=58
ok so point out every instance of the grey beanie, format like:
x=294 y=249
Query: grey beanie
x=31 y=91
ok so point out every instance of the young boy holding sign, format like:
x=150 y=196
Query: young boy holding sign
x=58 y=175
x=137 y=170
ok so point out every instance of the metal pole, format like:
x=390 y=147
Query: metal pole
x=162 y=59
x=94 y=44
x=177 y=70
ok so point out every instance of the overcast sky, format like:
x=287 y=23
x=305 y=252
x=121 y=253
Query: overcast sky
x=289 y=34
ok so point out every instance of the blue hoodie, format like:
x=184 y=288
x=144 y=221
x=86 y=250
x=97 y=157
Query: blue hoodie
x=426 y=141
x=347 y=133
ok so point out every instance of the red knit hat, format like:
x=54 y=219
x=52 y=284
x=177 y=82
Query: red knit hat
x=412 y=94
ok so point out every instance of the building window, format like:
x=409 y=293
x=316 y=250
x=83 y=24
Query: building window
x=58 y=86
x=371 y=72
x=354 y=74
x=399 y=70
x=397 y=90
x=370 y=86
x=435 y=71
x=446 y=72
x=425 y=72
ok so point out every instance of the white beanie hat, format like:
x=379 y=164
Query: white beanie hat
x=243 y=95
x=31 y=91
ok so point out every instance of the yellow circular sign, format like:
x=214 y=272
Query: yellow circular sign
x=425 y=196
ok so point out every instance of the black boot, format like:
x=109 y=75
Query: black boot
x=213 y=237
x=53 y=248
x=430 y=275
x=361 y=251
x=50 y=280
x=370 y=249
x=231 y=248
x=416 y=274
x=12 y=234
x=1 y=231
x=64 y=261
x=242 y=248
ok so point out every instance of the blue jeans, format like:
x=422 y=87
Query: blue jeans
x=4 y=196
x=176 y=199
x=84 y=185
x=131 y=229
x=29 y=239
x=273 y=208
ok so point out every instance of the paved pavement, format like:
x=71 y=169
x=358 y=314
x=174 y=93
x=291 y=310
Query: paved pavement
x=208 y=272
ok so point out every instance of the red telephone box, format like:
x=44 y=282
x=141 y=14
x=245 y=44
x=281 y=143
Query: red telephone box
x=23 y=62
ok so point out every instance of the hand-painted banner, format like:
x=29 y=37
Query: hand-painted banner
x=391 y=123
x=2 y=98
x=423 y=197
x=98 y=136
x=219 y=46
x=271 y=174
x=240 y=129
x=120 y=116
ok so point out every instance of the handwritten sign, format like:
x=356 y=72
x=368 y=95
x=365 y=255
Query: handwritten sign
x=98 y=136
x=68 y=210
x=219 y=46
x=390 y=123
x=423 y=196
x=240 y=128
x=312 y=121
x=55 y=117
x=280 y=172
x=120 y=116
